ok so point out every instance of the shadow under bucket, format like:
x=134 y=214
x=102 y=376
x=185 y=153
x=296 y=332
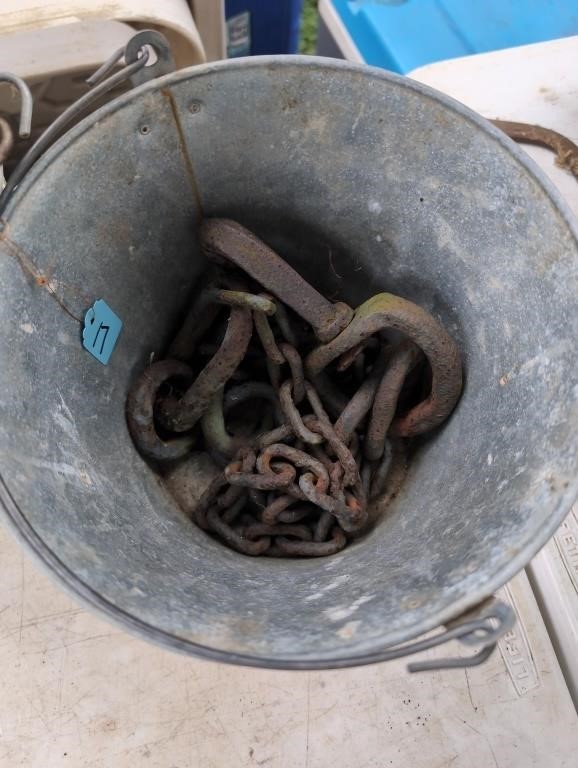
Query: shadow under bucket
x=364 y=182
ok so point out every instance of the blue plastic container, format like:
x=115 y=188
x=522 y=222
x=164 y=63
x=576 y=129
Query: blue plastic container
x=401 y=35
x=256 y=27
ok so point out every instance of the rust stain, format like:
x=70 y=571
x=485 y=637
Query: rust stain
x=183 y=147
x=29 y=268
x=441 y=119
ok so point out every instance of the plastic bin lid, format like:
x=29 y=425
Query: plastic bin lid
x=404 y=34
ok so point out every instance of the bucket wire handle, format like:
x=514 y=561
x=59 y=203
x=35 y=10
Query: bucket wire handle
x=105 y=69
x=482 y=632
x=148 y=40
x=136 y=55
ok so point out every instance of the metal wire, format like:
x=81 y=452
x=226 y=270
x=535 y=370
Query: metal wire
x=105 y=69
x=63 y=121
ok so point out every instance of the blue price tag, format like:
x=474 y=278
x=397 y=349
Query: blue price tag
x=101 y=331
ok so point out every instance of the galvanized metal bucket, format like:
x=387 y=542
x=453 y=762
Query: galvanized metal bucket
x=365 y=182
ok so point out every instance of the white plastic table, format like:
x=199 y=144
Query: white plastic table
x=75 y=691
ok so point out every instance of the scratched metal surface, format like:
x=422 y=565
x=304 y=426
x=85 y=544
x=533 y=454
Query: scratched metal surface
x=366 y=182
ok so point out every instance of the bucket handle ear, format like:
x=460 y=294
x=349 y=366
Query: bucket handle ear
x=480 y=627
x=136 y=55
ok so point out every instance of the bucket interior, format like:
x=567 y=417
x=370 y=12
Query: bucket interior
x=364 y=182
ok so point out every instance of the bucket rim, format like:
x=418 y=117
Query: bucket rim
x=25 y=532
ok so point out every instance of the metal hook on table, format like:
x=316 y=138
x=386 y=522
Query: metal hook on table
x=136 y=55
x=25 y=125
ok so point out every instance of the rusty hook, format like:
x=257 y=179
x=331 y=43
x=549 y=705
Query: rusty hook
x=181 y=415
x=402 y=360
x=361 y=402
x=388 y=311
x=140 y=411
x=227 y=239
x=213 y=420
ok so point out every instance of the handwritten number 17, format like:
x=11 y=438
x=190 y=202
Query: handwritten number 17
x=105 y=329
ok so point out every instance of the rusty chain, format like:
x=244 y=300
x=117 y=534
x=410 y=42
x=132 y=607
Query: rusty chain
x=310 y=437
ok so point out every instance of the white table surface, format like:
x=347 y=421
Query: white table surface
x=75 y=691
